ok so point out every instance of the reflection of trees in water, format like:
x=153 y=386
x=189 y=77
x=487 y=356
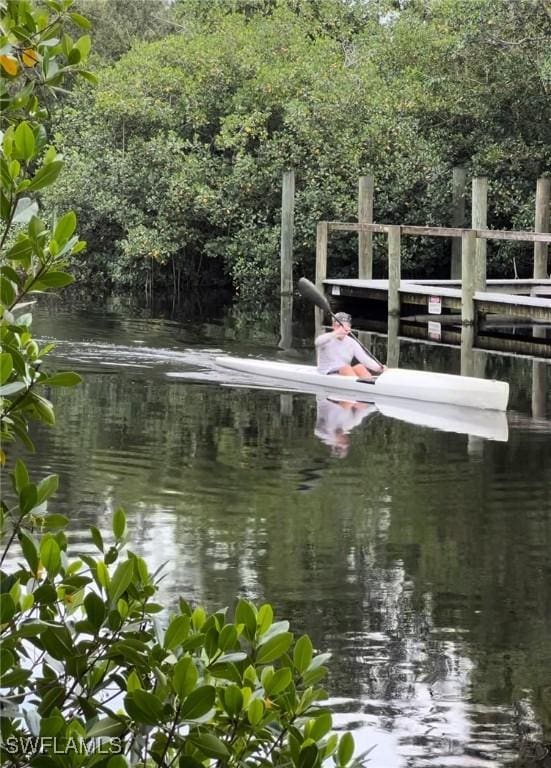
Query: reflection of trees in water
x=375 y=556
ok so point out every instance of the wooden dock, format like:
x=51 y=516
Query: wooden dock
x=473 y=295
x=522 y=299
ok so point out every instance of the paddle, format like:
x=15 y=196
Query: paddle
x=309 y=291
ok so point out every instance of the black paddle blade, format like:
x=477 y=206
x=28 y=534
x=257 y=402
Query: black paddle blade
x=309 y=291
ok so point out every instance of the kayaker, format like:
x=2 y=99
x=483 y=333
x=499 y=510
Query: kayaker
x=337 y=351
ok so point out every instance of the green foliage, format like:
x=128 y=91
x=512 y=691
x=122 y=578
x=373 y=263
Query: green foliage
x=38 y=58
x=84 y=654
x=176 y=169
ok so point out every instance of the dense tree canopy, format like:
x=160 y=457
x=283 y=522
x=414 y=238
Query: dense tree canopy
x=177 y=155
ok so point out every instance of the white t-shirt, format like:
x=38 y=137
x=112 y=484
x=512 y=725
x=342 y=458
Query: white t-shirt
x=333 y=353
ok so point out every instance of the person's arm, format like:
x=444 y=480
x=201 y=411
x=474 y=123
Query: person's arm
x=324 y=338
x=362 y=357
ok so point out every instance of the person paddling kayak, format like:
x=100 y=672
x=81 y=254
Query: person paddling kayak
x=336 y=351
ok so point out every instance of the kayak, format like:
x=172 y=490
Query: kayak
x=490 y=425
x=465 y=391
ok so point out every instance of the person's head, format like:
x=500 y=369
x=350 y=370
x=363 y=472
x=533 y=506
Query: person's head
x=342 y=322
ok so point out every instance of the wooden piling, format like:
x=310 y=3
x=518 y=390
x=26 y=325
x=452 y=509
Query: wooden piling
x=393 y=342
x=286 y=321
x=365 y=216
x=543 y=195
x=394 y=270
x=479 y=220
x=459 y=177
x=287 y=226
x=322 y=236
x=468 y=263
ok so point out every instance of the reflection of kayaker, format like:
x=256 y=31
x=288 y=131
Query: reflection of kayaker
x=336 y=419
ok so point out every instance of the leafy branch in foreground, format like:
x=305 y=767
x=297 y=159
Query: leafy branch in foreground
x=85 y=657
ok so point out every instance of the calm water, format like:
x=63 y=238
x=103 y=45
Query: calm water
x=420 y=558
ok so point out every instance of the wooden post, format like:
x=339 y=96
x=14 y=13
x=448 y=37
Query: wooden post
x=393 y=342
x=394 y=268
x=543 y=194
x=322 y=237
x=286 y=321
x=459 y=177
x=467 y=351
x=365 y=216
x=539 y=379
x=479 y=220
x=287 y=226
x=468 y=260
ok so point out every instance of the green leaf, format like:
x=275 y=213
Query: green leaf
x=274 y=648
x=211 y=746
x=6 y=366
x=186 y=761
x=227 y=638
x=198 y=703
x=144 y=707
x=177 y=632
x=5 y=206
x=65 y=227
x=62 y=379
x=102 y=574
x=309 y=756
x=83 y=45
x=53 y=280
x=51 y=726
x=45 y=176
x=95 y=608
x=321 y=726
x=89 y=76
x=21 y=251
x=28 y=498
x=44 y=409
x=47 y=487
x=108 y=727
x=50 y=555
x=51 y=522
x=255 y=711
x=346 y=749
x=7 y=291
x=30 y=550
x=184 y=677
x=302 y=654
x=24 y=141
x=97 y=538
x=265 y=618
x=233 y=700
x=121 y=579
x=80 y=21
x=7 y=609
x=279 y=682
x=133 y=682
x=119 y=523
x=74 y=56
x=245 y=614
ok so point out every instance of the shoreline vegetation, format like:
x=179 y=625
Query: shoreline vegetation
x=175 y=158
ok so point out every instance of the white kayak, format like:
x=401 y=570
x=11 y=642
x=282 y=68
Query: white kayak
x=464 y=391
x=490 y=425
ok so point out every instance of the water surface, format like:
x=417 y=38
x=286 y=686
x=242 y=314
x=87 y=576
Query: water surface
x=419 y=558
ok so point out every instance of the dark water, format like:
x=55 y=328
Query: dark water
x=420 y=558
